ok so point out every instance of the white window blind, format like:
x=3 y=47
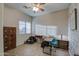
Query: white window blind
x=51 y=30
x=40 y=30
x=28 y=27
x=24 y=27
x=45 y=30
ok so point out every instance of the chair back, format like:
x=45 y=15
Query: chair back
x=54 y=42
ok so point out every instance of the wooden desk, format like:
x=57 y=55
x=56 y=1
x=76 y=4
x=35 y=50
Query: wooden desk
x=63 y=44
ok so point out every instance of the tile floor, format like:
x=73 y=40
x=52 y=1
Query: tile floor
x=33 y=50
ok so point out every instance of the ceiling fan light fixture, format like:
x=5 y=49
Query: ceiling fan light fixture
x=35 y=9
x=38 y=7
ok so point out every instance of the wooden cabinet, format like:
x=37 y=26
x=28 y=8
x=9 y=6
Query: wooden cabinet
x=63 y=44
x=9 y=35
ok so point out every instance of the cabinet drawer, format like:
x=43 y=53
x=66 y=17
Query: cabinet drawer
x=63 y=44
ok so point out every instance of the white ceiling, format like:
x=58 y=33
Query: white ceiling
x=49 y=7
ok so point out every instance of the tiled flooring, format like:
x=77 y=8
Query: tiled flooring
x=33 y=50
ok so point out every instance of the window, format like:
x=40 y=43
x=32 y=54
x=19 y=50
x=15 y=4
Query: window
x=24 y=27
x=40 y=30
x=45 y=30
x=51 y=30
x=28 y=27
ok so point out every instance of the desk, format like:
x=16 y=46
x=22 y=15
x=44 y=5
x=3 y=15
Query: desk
x=48 y=39
x=62 y=44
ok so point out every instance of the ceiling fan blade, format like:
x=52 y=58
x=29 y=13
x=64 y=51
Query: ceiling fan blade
x=27 y=7
x=38 y=6
x=42 y=9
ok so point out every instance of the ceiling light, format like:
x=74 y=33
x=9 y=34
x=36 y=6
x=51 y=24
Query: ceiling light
x=35 y=9
x=38 y=7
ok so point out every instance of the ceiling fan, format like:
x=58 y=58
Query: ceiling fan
x=36 y=7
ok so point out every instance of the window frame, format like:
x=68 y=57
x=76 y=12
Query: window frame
x=25 y=25
x=47 y=27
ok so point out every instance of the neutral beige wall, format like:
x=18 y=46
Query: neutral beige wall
x=59 y=19
x=1 y=30
x=11 y=18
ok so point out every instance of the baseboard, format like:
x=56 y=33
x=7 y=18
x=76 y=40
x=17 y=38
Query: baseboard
x=76 y=55
x=18 y=44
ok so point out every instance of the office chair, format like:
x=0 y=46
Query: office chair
x=54 y=44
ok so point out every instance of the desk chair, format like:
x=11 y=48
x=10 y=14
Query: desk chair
x=49 y=44
x=45 y=45
x=54 y=44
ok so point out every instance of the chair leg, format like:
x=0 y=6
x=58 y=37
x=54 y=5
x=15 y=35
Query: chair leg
x=54 y=51
x=43 y=50
x=50 y=50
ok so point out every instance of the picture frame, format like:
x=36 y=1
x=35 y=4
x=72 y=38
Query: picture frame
x=74 y=20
